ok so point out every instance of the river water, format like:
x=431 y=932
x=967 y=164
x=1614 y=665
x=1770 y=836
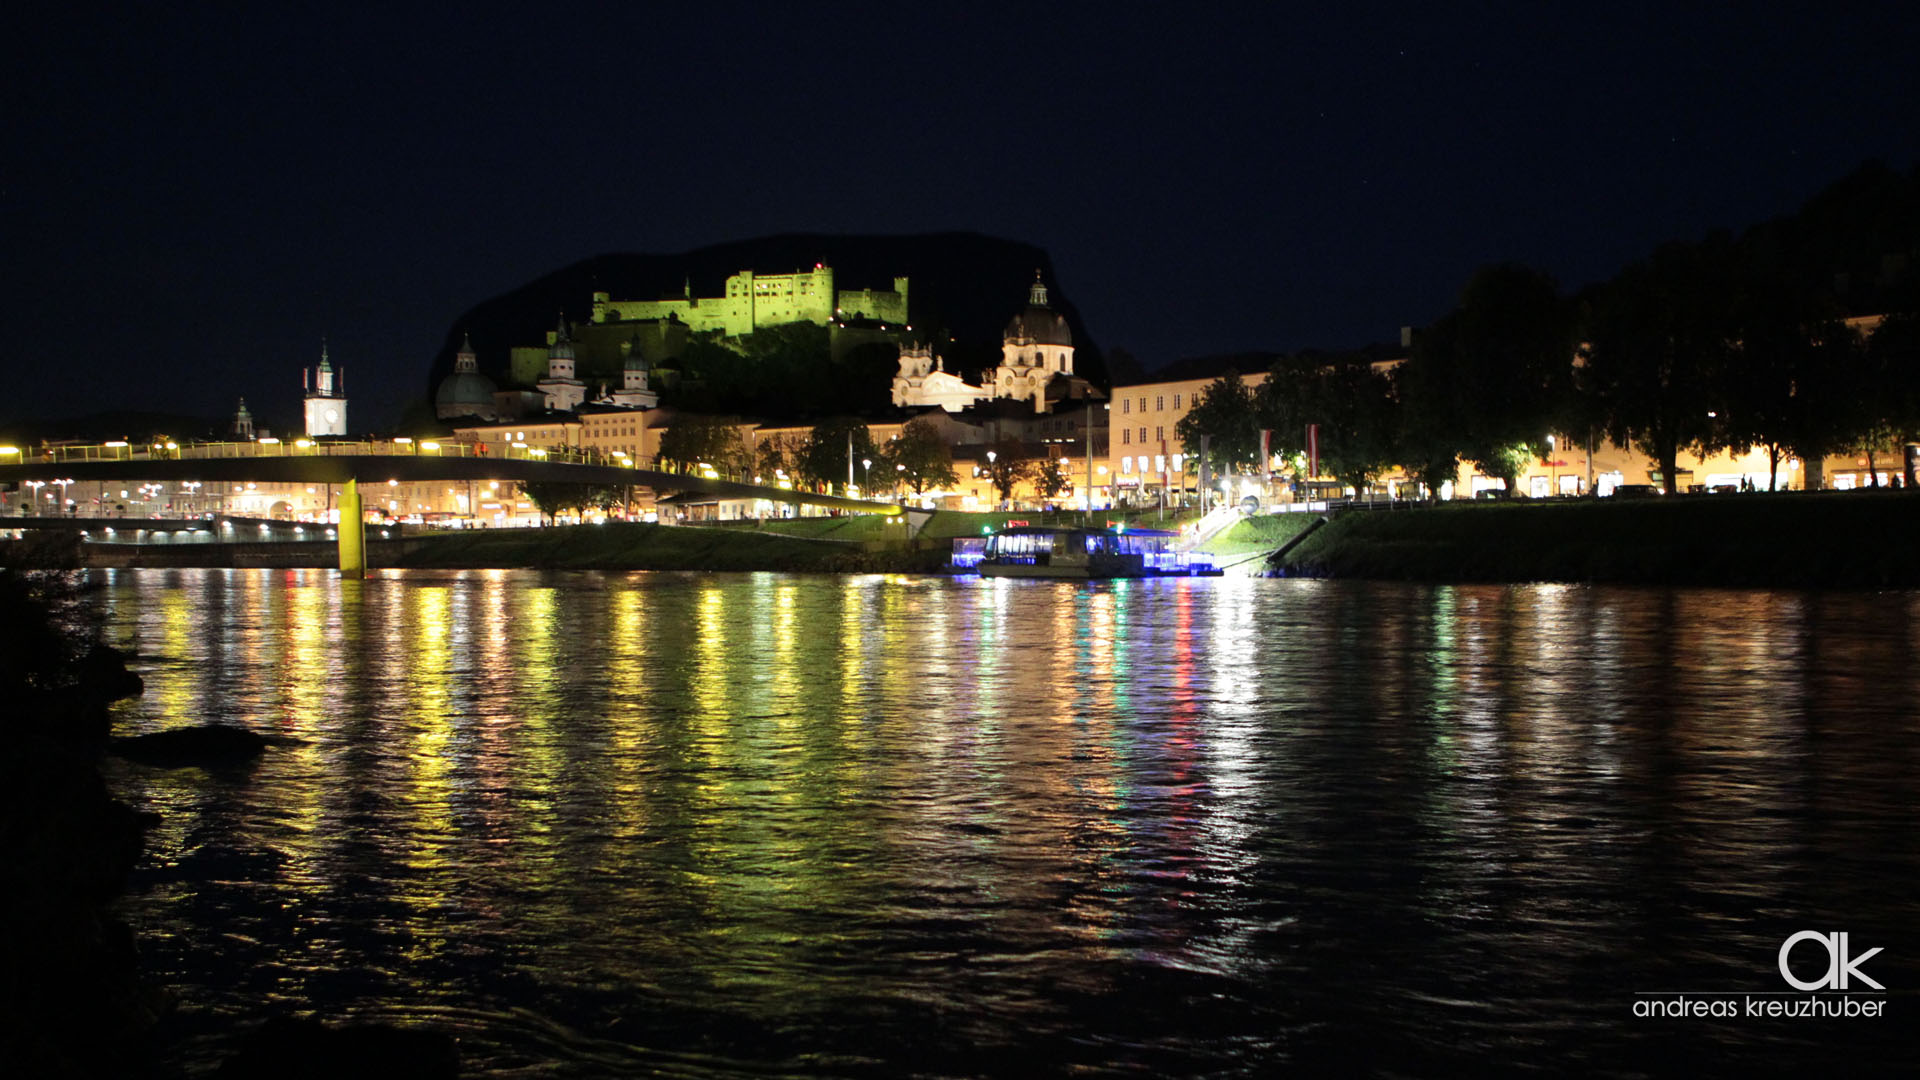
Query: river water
x=759 y=825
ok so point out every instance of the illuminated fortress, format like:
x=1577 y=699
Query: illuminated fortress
x=755 y=300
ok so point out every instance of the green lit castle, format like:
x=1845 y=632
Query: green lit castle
x=753 y=301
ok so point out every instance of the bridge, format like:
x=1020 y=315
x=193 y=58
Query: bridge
x=350 y=463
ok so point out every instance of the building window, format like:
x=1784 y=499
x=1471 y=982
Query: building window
x=1126 y=438
x=1159 y=403
x=1159 y=434
x=1143 y=436
x=1143 y=403
x=1126 y=405
x=1176 y=401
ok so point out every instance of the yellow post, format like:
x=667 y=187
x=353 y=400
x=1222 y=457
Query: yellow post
x=352 y=533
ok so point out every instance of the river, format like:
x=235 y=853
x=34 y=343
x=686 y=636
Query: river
x=711 y=825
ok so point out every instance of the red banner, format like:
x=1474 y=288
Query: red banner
x=1313 y=451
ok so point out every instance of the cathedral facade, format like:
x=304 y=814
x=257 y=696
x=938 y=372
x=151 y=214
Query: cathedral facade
x=1035 y=350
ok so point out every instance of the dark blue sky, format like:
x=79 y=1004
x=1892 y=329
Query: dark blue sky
x=193 y=197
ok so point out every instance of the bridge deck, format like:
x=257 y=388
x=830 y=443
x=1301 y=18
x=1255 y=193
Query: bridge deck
x=306 y=462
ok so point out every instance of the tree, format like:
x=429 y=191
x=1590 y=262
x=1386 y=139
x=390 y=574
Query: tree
x=1512 y=344
x=555 y=497
x=1660 y=337
x=1352 y=404
x=1007 y=466
x=1225 y=413
x=696 y=440
x=1359 y=437
x=831 y=448
x=1427 y=442
x=920 y=457
x=1050 y=477
x=776 y=456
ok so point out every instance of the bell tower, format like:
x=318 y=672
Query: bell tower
x=326 y=398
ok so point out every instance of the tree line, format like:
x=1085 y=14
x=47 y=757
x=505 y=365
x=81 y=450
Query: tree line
x=1733 y=343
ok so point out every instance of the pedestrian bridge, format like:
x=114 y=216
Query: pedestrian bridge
x=305 y=461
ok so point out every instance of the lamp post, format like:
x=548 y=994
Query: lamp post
x=866 y=475
x=991 y=485
x=1553 y=471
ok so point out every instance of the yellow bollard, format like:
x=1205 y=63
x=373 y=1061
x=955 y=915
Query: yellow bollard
x=352 y=533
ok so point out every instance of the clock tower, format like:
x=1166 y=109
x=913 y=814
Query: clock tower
x=326 y=398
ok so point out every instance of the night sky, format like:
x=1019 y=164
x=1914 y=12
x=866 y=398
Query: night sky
x=196 y=194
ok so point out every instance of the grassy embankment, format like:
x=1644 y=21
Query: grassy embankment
x=857 y=543
x=864 y=543
x=1829 y=539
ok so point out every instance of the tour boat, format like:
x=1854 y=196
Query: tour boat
x=1050 y=551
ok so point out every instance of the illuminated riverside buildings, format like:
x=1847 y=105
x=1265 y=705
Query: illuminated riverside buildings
x=1146 y=454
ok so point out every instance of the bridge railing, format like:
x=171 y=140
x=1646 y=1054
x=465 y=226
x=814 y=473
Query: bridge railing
x=398 y=447
x=271 y=447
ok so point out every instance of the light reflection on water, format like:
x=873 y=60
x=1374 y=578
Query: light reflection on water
x=715 y=824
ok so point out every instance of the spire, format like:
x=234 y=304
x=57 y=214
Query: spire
x=562 y=338
x=464 y=360
x=324 y=365
x=1037 y=295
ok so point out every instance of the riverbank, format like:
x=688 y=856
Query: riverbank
x=73 y=1002
x=1799 y=540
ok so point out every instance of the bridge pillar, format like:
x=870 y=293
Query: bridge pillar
x=352 y=532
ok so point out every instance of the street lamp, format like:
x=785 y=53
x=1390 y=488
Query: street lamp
x=866 y=475
x=1553 y=470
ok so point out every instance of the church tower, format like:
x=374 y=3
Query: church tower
x=563 y=391
x=633 y=392
x=243 y=423
x=326 y=404
x=1036 y=348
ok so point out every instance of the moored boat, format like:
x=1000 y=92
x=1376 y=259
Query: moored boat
x=1067 y=552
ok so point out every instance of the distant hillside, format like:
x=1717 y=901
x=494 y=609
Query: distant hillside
x=961 y=284
x=108 y=426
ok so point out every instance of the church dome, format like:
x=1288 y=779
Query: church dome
x=463 y=393
x=1038 y=323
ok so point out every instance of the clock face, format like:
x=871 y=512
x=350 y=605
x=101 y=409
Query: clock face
x=333 y=416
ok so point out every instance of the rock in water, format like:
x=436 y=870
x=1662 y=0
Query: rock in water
x=289 y=1049
x=104 y=668
x=209 y=745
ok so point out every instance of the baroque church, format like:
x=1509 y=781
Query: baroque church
x=1036 y=365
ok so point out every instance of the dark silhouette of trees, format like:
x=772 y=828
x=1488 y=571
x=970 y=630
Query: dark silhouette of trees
x=1508 y=357
x=1007 y=464
x=1352 y=403
x=1226 y=414
x=920 y=457
x=696 y=440
x=832 y=447
x=1659 y=342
